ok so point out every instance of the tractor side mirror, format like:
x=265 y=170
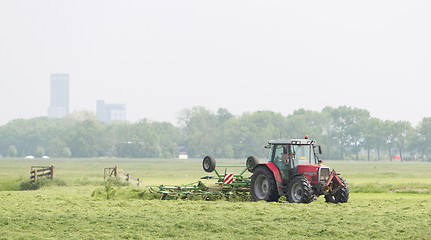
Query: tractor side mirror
x=267 y=147
x=320 y=149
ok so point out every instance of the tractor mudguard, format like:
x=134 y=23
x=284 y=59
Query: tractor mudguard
x=278 y=180
x=274 y=171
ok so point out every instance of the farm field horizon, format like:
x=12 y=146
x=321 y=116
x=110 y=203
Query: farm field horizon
x=388 y=200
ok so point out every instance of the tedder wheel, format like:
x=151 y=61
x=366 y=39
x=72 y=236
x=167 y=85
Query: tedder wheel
x=209 y=164
x=299 y=190
x=341 y=196
x=251 y=163
x=263 y=185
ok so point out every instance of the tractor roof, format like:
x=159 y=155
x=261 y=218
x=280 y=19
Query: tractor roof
x=292 y=141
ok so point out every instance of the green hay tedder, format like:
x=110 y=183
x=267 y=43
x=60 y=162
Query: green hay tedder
x=223 y=185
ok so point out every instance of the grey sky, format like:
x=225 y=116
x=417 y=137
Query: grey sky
x=159 y=57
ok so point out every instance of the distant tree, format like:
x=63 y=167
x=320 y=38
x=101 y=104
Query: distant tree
x=84 y=138
x=372 y=137
x=329 y=144
x=389 y=133
x=130 y=149
x=81 y=116
x=16 y=133
x=114 y=134
x=414 y=145
x=343 y=132
x=145 y=133
x=253 y=130
x=12 y=152
x=40 y=151
x=346 y=127
x=423 y=141
x=200 y=130
x=169 y=138
x=404 y=130
x=55 y=147
x=356 y=136
x=302 y=122
x=66 y=153
x=223 y=115
x=226 y=136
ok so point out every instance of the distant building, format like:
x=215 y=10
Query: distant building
x=59 y=97
x=110 y=112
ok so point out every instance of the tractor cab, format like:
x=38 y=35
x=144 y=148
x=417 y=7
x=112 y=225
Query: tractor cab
x=288 y=155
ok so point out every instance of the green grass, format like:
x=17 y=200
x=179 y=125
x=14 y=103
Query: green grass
x=59 y=212
x=388 y=201
x=383 y=177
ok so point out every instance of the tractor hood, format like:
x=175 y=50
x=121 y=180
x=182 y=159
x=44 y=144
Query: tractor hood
x=308 y=169
x=314 y=172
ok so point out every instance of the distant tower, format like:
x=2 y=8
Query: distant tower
x=110 y=112
x=59 y=102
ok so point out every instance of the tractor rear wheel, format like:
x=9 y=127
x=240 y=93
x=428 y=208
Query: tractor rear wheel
x=299 y=190
x=209 y=163
x=341 y=196
x=263 y=185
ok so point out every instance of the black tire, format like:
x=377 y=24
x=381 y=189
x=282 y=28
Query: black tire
x=341 y=196
x=263 y=186
x=209 y=164
x=251 y=163
x=299 y=190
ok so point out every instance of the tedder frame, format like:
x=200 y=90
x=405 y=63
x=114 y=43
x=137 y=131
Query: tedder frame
x=227 y=185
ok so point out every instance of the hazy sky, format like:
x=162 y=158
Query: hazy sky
x=159 y=57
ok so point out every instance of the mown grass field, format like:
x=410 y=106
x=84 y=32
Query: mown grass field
x=388 y=200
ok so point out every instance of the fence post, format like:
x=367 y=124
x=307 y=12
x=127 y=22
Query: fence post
x=35 y=174
x=52 y=172
x=116 y=173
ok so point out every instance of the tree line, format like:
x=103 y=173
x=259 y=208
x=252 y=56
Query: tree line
x=343 y=132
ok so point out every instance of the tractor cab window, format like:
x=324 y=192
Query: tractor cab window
x=281 y=159
x=303 y=154
x=280 y=156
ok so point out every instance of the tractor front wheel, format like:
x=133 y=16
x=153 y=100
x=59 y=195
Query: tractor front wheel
x=341 y=196
x=263 y=185
x=299 y=190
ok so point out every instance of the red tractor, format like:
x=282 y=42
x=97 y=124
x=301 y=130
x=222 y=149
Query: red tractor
x=295 y=171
